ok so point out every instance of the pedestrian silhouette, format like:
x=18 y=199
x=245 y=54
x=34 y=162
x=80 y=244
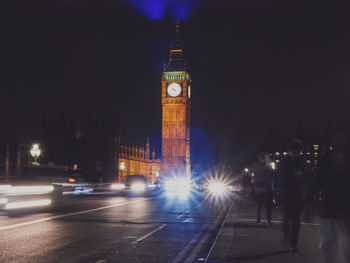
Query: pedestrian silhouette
x=293 y=183
x=332 y=184
x=247 y=183
x=262 y=185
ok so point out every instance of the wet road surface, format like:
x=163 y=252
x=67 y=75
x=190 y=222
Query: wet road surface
x=111 y=229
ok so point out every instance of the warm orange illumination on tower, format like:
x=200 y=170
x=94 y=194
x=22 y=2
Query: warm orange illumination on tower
x=176 y=113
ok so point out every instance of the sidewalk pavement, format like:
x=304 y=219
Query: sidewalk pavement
x=242 y=240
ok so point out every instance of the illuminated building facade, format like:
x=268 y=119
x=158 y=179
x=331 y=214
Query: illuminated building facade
x=137 y=160
x=176 y=95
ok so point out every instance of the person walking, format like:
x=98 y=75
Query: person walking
x=247 y=183
x=293 y=183
x=332 y=182
x=262 y=185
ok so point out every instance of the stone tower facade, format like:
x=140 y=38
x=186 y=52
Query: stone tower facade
x=176 y=95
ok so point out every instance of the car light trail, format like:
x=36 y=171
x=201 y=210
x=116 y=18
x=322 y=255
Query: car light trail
x=5 y=187
x=30 y=190
x=3 y=201
x=118 y=186
x=27 y=204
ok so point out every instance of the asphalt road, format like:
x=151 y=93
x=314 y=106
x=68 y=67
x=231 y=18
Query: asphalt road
x=112 y=229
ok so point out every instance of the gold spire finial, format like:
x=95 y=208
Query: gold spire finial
x=178 y=25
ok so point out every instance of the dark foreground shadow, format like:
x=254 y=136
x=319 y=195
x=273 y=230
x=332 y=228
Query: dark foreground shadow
x=260 y=255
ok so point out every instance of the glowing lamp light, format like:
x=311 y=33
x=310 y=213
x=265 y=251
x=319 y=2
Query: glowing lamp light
x=273 y=165
x=122 y=166
x=35 y=151
x=246 y=170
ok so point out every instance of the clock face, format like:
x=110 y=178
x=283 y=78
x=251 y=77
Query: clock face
x=189 y=91
x=174 y=89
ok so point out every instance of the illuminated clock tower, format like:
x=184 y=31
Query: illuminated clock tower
x=176 y=95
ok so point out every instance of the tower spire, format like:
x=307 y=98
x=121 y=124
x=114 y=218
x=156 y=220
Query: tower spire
x=178 y=23
x=147 y=149
x=176 y=61
x=177 y=44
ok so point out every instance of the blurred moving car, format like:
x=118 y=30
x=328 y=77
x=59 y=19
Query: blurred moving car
x=135 y=184
x=75 y=183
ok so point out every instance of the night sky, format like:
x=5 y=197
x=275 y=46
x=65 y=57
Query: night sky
x=254 y=64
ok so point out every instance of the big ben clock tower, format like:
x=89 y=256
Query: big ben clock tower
x=176 y=95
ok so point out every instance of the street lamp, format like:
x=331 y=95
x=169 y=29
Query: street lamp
x=122 y=168
x=273 y=165
x=35 y=153
x=246 y=170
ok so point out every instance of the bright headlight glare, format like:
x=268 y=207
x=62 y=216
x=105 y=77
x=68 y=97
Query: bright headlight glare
x=216 y=188
x=171 y=185
x=117 y=186
x=138 y=187
x=180 y=186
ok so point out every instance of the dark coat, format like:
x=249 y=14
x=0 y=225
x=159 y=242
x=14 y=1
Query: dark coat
x=333 y=189
x=293 y=177
x=262 y=179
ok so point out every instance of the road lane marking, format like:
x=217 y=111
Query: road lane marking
x=45 y=219
x=202 y=242
x=149 y=234
x=161 y=227
x=217 y=236
x=253 y=220
x=182 y=214
x=131 y=237
x=199 y=204
x=187 y=211
x=193 y=241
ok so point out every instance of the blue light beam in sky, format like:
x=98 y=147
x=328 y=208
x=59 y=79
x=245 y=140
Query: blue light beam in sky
x=157 y=9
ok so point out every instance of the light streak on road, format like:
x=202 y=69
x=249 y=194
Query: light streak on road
x=118 y=186
x=30 y=190
x=3 y=201
x=27 y=204
x=45 y=219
